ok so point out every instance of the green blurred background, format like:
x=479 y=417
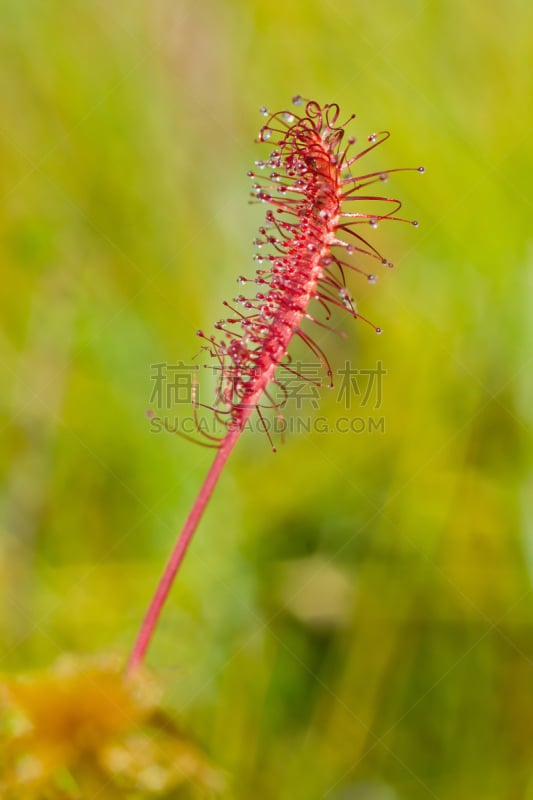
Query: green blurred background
x=354 y=620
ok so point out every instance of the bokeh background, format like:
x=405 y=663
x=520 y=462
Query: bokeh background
x=354 y=620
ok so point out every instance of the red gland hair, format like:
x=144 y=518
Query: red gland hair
x=310 y=189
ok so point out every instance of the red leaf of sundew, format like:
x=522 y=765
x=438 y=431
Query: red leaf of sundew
x=315 y=222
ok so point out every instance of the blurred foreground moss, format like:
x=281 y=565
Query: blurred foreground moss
x=81 y=730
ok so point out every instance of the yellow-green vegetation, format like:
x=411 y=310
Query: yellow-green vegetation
x=354 y=620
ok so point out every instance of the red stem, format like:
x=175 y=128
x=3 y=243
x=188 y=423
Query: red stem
x=148 y=626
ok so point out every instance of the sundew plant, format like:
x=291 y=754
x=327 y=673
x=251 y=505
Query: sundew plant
x=321 y=203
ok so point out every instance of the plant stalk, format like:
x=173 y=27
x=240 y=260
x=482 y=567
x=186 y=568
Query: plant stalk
x=177 y=555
